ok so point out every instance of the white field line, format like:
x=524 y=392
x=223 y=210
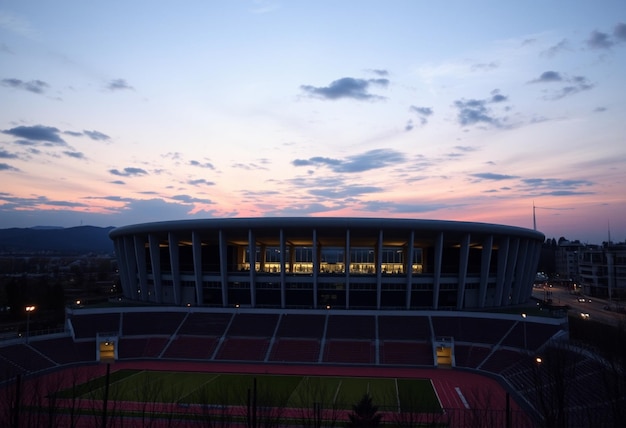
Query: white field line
x=462 y=397
x=395 y=380
x=337 y=392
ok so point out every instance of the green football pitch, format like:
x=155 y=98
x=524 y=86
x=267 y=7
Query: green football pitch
x=289 y=391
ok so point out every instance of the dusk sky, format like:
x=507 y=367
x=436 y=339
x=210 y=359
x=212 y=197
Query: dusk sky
x=123 y=112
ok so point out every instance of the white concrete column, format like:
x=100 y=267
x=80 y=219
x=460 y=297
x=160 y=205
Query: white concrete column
x=175 y=265
x=519 y=271
x=410 y=253
x=283 y=275
x=316 y=267
x=507 y=298
x=463 y=261
x=485 y=264
x=223 y=267
x=196 y=248
x=252 y=253
x=155 y=262
x=534 y=249
x=140 y=258
x=379 y=269
x=503 y=256
x=347 y=267
x=437 y=269
x=122 y=257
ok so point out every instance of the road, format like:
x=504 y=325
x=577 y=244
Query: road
x=591 y=306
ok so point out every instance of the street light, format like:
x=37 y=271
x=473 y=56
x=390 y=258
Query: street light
x=524 y=322
x=28 y=309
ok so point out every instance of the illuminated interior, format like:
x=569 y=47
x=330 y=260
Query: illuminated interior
x=362 y=261
x=107 y=351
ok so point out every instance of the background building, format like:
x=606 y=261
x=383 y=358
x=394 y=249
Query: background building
x=602 y=270
x=348 y=263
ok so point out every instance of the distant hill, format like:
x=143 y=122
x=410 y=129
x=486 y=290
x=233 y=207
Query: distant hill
x=73 y=240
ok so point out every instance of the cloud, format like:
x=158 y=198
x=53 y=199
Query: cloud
x=317 y=160
x=7 y=167
x=575 y=84
x=565 y=193
x=37 y=133
x=466 y=149
x=578 y=84
x=473 y=111
x=498 y=98
x=373 y=159
x=422 y=112
x=484 y=66
x=24 y=212
x=252 y=166
x=619 y=32
x=344 y=192
x=556 y=186
x=555 y=182
x=552 y=51
x=346 y=87
x=379 y=72
x=73 y=133
x=172 y=155
x=97 y=136
x=191 y=200
x=7 y=155
x=129 y=172
x=601 y=40
x=118 y=85
x=76 y=155
x=547 y=77
x=208 y=165
x=120 y=182
x=493 y=176
x=5 y=49
x=201 y=182
x=23 y=204
x=34 y=86
x=402 y=208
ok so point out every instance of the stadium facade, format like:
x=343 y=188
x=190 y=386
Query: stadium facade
x=343 y=263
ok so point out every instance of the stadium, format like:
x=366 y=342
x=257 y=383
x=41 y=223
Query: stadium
x=350 y=263
x=289 y=321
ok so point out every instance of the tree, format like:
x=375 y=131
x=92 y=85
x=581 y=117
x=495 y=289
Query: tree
x=364 y=414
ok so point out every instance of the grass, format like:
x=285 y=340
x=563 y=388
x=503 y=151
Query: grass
x=189 y=388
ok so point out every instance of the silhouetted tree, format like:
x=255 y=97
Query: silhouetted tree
x=553 y=375
x=364 y=414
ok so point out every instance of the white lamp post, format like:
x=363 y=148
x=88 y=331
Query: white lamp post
x=28 y=309
x=524 y=322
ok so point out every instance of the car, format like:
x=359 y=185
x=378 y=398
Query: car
x=584 y=315
x=582 y=299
